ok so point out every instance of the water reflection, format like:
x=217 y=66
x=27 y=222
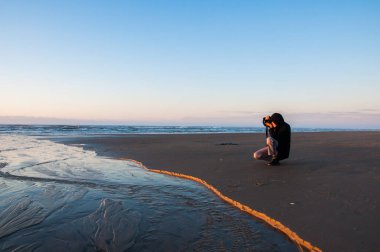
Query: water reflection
x=63 y=198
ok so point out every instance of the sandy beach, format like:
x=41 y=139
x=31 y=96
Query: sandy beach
x=327 y=191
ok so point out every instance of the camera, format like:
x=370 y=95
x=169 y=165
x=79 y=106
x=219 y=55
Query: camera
x=265 y=121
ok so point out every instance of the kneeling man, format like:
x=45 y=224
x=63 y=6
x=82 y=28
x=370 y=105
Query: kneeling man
x=278 y=140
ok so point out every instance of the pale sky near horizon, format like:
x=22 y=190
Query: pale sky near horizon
x=197 y=62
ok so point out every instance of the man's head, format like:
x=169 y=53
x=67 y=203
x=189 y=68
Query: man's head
x=273 y=121
x=277 y=119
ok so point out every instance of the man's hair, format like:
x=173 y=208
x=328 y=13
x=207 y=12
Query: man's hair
x=277 y=119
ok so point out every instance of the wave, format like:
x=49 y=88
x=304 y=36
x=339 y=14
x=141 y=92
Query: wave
x=75 y=130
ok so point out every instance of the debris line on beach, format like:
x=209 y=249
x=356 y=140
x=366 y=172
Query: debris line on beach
x=302 y=244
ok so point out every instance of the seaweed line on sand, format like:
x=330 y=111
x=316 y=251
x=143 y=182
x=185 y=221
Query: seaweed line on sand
x=302 y=244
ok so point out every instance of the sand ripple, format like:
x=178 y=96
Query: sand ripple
x=23 y=214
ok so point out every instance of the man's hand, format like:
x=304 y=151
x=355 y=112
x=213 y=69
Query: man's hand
x=268 y=124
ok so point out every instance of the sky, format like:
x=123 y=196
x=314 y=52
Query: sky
x=198 y=62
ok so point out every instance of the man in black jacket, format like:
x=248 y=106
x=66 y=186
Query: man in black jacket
x=278 y=140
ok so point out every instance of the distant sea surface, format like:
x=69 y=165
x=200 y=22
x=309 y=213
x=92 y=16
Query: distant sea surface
x=80 y=130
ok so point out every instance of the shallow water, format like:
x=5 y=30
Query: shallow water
x=63 y=198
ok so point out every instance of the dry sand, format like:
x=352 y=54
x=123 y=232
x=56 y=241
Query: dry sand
x=328 y=191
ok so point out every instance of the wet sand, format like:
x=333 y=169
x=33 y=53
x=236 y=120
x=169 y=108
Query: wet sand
x=62 y=198
x=327 y=191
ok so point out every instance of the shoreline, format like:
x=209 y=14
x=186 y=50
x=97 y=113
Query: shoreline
x=326 y=192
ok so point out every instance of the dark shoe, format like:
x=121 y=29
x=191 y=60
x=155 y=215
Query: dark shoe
x=274 y=162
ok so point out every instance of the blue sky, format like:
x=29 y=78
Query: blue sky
x=192 y=62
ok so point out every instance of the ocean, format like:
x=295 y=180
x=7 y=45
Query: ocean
x=81 y=130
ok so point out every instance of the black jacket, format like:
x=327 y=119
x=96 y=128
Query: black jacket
x=282 y=134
